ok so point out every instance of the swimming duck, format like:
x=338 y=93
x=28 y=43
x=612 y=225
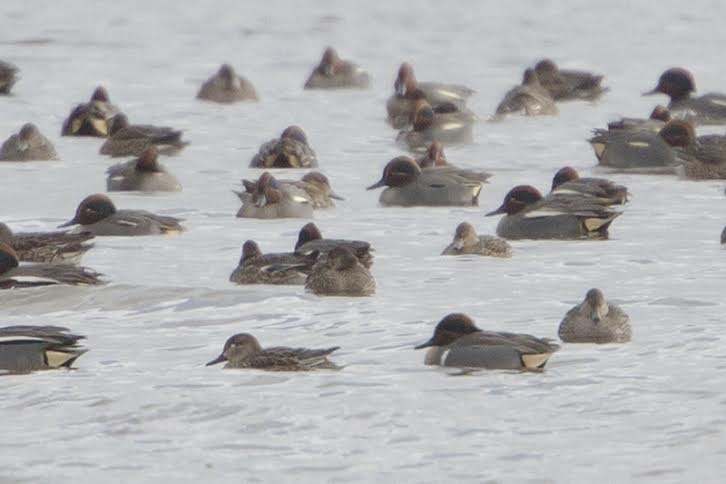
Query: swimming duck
x=142 y=174
x=12 y=274
x=27 y=145
x=132 y=139
x=48 y=247
x=566 y=84
x=408 y=185
x=678 y=84
x=529 y=98
x=8 y=77
x=595 y=321
x=428 y=126
x=701 y=157
x=310 y=241
x=93 y=118
x=657 y=119
x=314 y=183
x=244 y=351
x=275 y=268
x=30 y=348
x=290 y=150
x=556 y=216
x=336 y=73
x=97 y=214
x=458 y=342
x=340 y=274
x=567 y=180
x=270 y=199
x=466 y=241
x=227 y=87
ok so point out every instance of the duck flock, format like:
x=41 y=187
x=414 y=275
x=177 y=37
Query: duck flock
x=426 y=117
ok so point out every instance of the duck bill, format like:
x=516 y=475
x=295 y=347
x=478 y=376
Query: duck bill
x=500 y=210
x=335 y=196
x=72 y=221
x=651 y=92
x=425 y=345
x=217 y=360
x=377 y=184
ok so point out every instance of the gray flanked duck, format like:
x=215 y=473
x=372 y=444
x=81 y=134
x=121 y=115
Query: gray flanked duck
x=132 y=139
x=28 y=145
x=428 y=125
x=678 y=84
x=290 y=150
x=244 y=351
x=48 y=247
x=30 y=348
x=700 y=157
x=8 y=77
x=595 y=320
x=529 y=215
x=568 y=180
x=98 y=215
x=310 y=241
x=466 y=241
x=267 y=198
x=458 y=342
x=568 y=84
x=14 y=275
x=275 y=268
x=336 y=73
x=340 y=274
x=227 y=87
x=93 y=118
x=144 y=174
x=529 y=98
x=409 y=185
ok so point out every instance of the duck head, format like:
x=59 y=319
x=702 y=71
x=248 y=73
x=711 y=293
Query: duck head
x=400 y=171
x=675 y=82
x=517 y=199
x=92 y=209
x=449 y=329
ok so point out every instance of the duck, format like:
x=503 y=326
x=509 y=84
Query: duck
x=143 y=174
x=635 y=150
x=28 y=348
x=659 y=116
x=340 y=274
x=700 y=157
x=270 y=199
x=466 y=241
x=434 y=156
x=529 y=215
x=442 y=97
x=275 y=268
x=678 y=84
x=336 y=73
x=14 y=275
x=408 y=185
x=458 y=342
x=315 y=184
x=8 y=77
x=132 y=139
x=310 y=241
x=47 y=247
x=567 y=84
x=568 y=180
x=227 y=87
x=428 y=126
x=28 y=145
x=529 y=98
x=290 y=150
x=98 y=215
x=595 y=320
x=244 y=351
x=93 y=118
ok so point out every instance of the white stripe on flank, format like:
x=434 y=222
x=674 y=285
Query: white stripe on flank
x=19 y=338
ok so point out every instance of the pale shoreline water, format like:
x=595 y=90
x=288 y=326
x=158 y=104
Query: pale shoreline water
x=141 y=407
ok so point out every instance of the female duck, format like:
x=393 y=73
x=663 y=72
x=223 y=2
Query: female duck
x=12 y=274
x=48 y=247
x=566 y=84
x=595 y=321
x=290 y=150
x=27 y=145
x=132 y=139
x=340 y=274
x=529 y=98
x=528 y=215
x=458 y=342
x=97 y=214
x=466 y=241
x=275 y=268
x=244 y=351
x=270 y=199
x=227 y=87
x=93 y=118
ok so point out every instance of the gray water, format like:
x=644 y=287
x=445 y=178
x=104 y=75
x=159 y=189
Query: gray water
x=141 y=407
